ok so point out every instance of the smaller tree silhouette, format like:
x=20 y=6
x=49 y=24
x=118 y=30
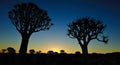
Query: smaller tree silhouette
x=85 y=30
x=11 y=50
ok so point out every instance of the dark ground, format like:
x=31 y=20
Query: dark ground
x=60 y=59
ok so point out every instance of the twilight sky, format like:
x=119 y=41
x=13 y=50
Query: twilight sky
x=63 y=12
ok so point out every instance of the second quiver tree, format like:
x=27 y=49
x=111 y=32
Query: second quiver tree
x=87 y=29
x=28 y=18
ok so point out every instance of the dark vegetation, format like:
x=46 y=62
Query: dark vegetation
x=85 y=30
x=60 y=59
x=29 y=18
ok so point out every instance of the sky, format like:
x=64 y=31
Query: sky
x=63 y=12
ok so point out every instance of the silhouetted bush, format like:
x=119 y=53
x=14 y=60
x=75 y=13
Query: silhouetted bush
x=62 y=52
x=11 y=50
x=59 y=59
x=4 y=50
x=32 y=51
x=77 y=52
x=50 y=52
x=38 y=52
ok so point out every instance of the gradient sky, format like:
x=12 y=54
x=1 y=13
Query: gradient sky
x=63 y=12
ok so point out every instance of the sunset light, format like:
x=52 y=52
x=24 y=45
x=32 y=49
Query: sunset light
x=59 y=32
x=62 y=13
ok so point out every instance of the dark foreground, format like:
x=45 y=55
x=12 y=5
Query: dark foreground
x=60 y=59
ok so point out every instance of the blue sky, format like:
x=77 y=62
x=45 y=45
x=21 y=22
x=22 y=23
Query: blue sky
x=63 y=12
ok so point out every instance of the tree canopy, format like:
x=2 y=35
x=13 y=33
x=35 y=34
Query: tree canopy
x=29 y=18
x=87 y=29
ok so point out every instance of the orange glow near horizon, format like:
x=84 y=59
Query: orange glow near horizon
x=54 y=48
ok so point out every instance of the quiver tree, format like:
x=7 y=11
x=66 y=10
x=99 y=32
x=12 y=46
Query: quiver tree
x=85 y=30
x=28 y=18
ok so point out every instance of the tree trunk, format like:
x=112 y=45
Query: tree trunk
x=24 y=44
x=85 y=54
x=84 y=49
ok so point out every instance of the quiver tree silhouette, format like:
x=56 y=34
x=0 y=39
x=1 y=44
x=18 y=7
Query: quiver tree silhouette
x=28 y=18
x=87 y=29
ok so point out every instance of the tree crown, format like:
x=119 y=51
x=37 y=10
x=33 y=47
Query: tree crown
x=86 y=29
x=29 y=18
